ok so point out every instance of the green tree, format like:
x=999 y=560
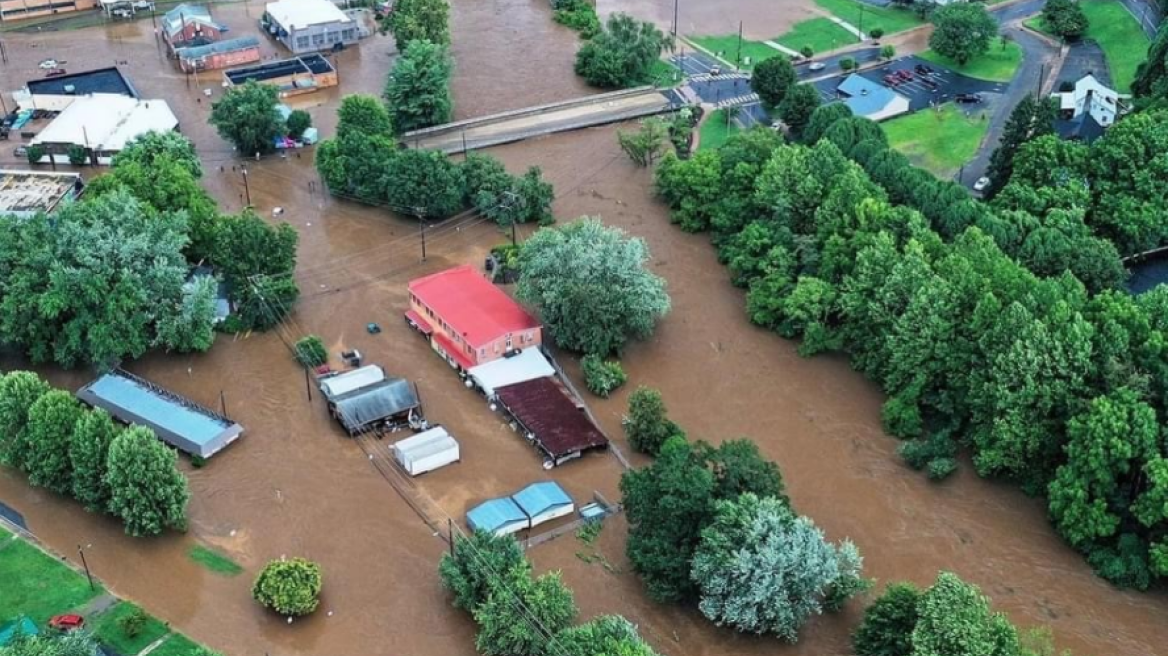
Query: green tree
x=363 y=115
x=425 y=183
x=475 y=562
x=1065 y=18
x=298 y=121
x=823 y=118
x=152 y=147
x=262 y=304
x=739 y=468
x=289 y=587
x=77 y=155
x=247 y=117
x=691 y=187
x=889 y=622
x=190 y=326
x=772 y=78
x=621 y=54
x=19 y=390
x=797 y=106
x=51 y=421
x=887 y=51
x=147 y=491
x=418 y=89
x=1030 y=119
x=88 y=454
x=602 y=377
x=420 y=20
x=522 y=615
x=605 y=635
x=1151 y=81
x=1127 y=175
x=962 y=31
x=89 y=285
x=246 y=246
x=647 y=425
x=761 y=569
x=310 y=351
x=591 y=287
x=955 y=620
x=645 y=144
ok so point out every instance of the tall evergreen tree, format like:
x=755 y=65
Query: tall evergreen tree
x=1030 y=119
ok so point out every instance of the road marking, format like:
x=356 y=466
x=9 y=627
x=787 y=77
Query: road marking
x=783 y=49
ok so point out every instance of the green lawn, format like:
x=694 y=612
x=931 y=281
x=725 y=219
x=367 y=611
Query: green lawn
x=714 y=131
x=664 y=74
x=35 y=584
x=215 y=561
x=176 y=645
x=998 y=65
x=1120 y=36
x=938 y=141
x=728 y=46
x=109 y=633
x=819 y=33
x=866 y=17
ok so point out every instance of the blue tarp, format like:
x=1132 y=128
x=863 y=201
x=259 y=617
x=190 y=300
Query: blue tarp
x=496 y=515
x=538 y=498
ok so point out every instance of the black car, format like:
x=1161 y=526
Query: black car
x=928 y=83
x=924 y=69
x=968 y=98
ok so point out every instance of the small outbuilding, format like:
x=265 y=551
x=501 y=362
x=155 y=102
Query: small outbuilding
x=521 y=367
x=426 y=451
x=543 y=502
x=101 y=125
x=349 y=381
x=548 y=418
x=392 y=401
x=498 y=516
x=871 y=100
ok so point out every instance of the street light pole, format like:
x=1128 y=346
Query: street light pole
x=860 y=29
x=675 y=3
x=738 y=59
x=246 y=187
x=419 y=212
x=86 y=565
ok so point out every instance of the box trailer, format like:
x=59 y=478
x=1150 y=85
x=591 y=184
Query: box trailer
x=426 y=451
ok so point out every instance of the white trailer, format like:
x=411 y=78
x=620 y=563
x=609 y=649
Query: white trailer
x=426 y=451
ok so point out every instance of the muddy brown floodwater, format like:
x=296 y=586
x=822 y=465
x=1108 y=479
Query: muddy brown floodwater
x=294 y=486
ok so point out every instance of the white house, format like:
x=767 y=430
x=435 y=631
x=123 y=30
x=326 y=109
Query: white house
x=310 y=25
x=1089 y=108
x=102 y=124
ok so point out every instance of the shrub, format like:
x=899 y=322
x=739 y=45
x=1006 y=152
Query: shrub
x=876 y=32
x=602 y=377
x=847 y=64
x=77 y=155
x=647 y=425
x=310 y=351
x=132 y=623
x=35 y=153
x=298 y=121
x=807 y=51
x=289 y=587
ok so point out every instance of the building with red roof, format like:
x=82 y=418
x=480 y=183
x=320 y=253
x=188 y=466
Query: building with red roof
x=469 y=320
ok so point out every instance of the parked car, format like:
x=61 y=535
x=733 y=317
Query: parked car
x=817 y=66
x=928 y=83
x=904 y=74
x=968 y=98
x=55 y=72
x=892 y=80
x=924 y=69
x=67 y=622
x=48 y=63
x=981 y=183
x=715 y=70
x=21 y=151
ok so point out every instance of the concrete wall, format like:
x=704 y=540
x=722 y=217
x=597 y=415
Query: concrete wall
x=20 y=9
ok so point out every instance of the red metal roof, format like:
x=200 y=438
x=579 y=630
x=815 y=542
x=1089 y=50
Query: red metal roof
x=560 y=427
x=453 y=350
x=474 y=307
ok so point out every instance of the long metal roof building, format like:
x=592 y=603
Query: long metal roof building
x=176 y=420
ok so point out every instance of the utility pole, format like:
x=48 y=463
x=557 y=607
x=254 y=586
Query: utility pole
x=450 y=532
x=222 y=403
x=1041 y=78
x=738 y=58
x=246 y=187
x=420 y=213
x=88 y=575
x=675 y=3
x=860 y=29
x=307 y=384
x=465 y=152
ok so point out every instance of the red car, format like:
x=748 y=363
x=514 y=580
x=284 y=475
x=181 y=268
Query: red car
x=56 y=72
x=892 y=80
x=67 y=622
x=904 y=74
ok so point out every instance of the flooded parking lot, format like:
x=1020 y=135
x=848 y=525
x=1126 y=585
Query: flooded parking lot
x=293 y=485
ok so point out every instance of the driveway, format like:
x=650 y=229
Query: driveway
x=1083 y=58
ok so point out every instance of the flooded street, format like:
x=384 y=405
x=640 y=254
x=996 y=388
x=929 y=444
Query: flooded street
x=294 y=486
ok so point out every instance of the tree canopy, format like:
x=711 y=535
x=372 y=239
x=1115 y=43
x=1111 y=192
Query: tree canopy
x=622 y=53
x=591 y=286
x=418 y=89
x=962 y=31
x=475 y=561
x=289 y=586
x=246 y=116
x=522 y=615
x=772 y=78
x=1065 y=18
x=420 y=20
x=147 y=491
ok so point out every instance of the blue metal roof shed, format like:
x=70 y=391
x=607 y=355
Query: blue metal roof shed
x=871 y=99
x=178 y=421
x=543 y=501
x=498 y=516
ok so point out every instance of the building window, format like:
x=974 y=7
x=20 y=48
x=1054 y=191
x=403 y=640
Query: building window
x=347 y=35
x=317 y=39
x=301 y=42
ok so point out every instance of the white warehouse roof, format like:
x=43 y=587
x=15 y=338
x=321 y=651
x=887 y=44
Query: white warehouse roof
x=107 y=121
x=350 y=381
x=528 y=365
x=303 y=13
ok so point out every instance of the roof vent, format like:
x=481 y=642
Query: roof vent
x=70 y=89
x=863 y=92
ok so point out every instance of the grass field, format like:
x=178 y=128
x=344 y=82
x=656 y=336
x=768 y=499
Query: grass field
x=714 y=131
x=998 y=65
x=728 y=46
x=1120 y=36
x=109 y=633
x=215 y=561
x=866 y=17
x=819 y=33
x=35 y=584
x=938 y=141
x=664 y=74
x=176 y=645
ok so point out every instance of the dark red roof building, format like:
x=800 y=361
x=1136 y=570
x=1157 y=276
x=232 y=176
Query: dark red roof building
x=550 y=419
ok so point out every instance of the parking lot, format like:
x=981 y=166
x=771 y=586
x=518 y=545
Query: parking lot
x=938 y=87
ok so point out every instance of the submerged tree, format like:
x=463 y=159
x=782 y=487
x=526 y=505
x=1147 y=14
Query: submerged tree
x=418 y=89
x=147 y=491
x=247 y=117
